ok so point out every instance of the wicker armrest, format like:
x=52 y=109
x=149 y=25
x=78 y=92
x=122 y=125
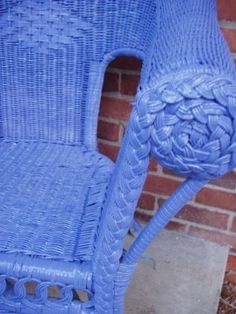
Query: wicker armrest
x=191 y=116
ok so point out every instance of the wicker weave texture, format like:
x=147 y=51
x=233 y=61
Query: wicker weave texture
x=53 y=55
x=60 y=188
x=66 y=209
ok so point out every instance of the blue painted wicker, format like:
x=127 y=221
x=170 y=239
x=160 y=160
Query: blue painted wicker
x=65 y=208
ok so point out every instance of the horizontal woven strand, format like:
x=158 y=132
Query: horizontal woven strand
x=17 y=272
x=78 y=275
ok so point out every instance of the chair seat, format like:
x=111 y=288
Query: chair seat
x=51 y=197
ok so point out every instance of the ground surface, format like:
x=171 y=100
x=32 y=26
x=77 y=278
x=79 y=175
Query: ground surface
x=187 y=280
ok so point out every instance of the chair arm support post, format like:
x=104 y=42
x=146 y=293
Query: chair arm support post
x=167 y=211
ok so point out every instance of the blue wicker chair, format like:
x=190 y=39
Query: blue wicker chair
x=65 y=208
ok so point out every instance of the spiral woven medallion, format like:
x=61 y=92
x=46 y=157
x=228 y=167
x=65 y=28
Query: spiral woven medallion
x=193 y=131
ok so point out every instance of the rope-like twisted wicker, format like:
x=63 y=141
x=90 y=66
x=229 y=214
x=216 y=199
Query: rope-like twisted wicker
x=194 y=130
x=189 y=120
x=125 y=188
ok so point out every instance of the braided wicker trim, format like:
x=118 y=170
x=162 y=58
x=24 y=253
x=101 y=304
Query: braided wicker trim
x=124 y=190
x=192 y=115
x=187 y=122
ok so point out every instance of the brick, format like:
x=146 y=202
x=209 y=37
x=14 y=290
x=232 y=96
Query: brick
x=111 y=82
x=217 y=198
x=129 y=84
x=153 y=165
x=231 y=277
x=214 y=236
x=234 y=225
x=228 y=181
x=143 y=217
x=171 y=173
x=115 y=108
x=227 y=9
x=108 y=130
x=176 y=226
x=230 y=36
x=147 y=201
x=126 y=63
x=122 y=131
x=108 y=150
x=203 y=216
x=157 y=184
x=168 y=171
x=160 y=201
x=231 y=263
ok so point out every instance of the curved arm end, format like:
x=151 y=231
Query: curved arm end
x=193 y=129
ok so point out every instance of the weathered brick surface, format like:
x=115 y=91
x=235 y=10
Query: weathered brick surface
x=204 y=216
x=147 y=201
x=144 y=217
x=111 y=82
x=217 y=198
x=108 y=150
x=108 y=130
x=230 y=36
x=115 y=108
x=153 y=165
x=160 y=185
x=212 y=213
x=231 y=277
x=231 y=263
x=126 y=63
x=129 y=83
x=214 y=236
x=227 y=9
x=228 y=181
x=176 y=226
x=234 y=225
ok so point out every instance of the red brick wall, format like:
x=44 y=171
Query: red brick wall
x=212 y=213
